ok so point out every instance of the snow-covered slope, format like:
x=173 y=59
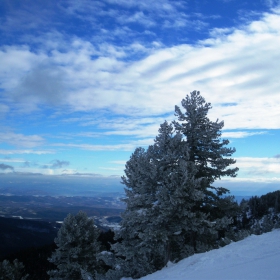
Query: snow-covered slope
x=256 y=257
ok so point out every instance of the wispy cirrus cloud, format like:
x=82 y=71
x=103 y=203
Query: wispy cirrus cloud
x=226 y=64
x=20 y=140
x=23 y=151
x=138 y=17
x=121 y=162
x=254 y=167
x=128 y=146
x=147 y=13
x=241 y=134
x=16 y=160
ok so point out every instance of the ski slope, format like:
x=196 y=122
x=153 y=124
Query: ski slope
x=256 y=257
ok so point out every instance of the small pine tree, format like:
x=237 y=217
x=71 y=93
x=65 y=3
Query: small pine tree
x=76 y=255
x=134 y=257
x=12 y=271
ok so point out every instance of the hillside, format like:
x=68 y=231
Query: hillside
x=256 y=257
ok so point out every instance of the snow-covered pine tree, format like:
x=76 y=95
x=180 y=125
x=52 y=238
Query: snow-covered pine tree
x=184 y=227
x=206 y=148
x=12 y=271
x=77 y=248
x=138 y=253
x=177 y=192
x=172 y=208
x=161 y=190
x=207 y=151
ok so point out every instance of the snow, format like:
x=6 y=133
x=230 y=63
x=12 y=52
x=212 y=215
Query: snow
x=256 y=257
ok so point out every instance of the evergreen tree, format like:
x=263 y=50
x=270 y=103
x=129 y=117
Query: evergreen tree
x=206 y=150
x=12 y=271
x=77 y=244
x=134 y=256
x=172 y=209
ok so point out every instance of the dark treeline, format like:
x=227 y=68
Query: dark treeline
x=260 y=206
x=260 y=214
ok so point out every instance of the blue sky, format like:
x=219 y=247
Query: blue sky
x=83 y=83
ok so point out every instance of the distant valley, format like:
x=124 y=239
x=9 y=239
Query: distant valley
x=33 y=221
x=49 y=208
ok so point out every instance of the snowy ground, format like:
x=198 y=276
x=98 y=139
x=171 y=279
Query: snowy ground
x=256 y=257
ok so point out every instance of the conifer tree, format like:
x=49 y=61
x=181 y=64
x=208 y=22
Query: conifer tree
x=76 y=255
x=161 y=190
x=207 y=150
x=178 y=190
x=12 y=271
x=137 y=253
x=172 y=208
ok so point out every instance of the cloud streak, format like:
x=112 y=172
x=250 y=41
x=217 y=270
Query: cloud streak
x=20 y=140
x=117 y=147
x=241 y=134
x=258 y=167
x=226 y=68
x=20 y=152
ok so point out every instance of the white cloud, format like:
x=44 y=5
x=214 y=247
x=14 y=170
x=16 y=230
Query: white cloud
x=239 y=67
x=138 y=17
x=139 y=127
x=130 y=146
x=256 y=176
x=253 y=168
x=111 y=168
x=16 y=61
x=19 y=152
x=121 y=162
x=21 y=140
x=240 y=134
x=164 y=5
x=251 y=180
x=147 y=13
x=17 y=160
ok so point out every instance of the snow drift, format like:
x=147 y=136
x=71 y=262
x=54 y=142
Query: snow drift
x=256 y=257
